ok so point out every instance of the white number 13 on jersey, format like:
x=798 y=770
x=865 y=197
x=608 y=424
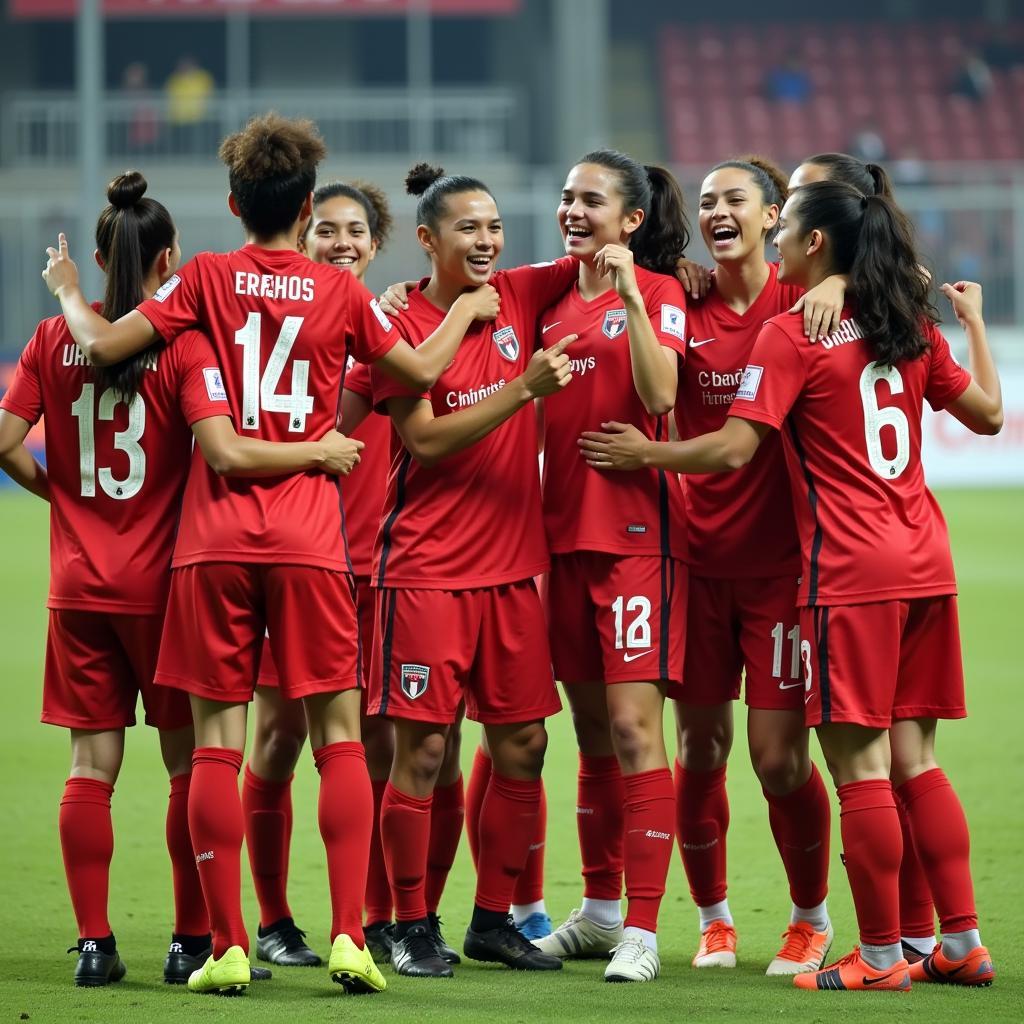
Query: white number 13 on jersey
x=260 y=393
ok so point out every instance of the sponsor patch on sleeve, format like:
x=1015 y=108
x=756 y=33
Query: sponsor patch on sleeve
x=215 y=389
x=673 y=321
x=750 y=382
x=380 y=315
x=546 y=263
x=166 y=288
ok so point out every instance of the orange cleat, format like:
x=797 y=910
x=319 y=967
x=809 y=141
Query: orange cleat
x=854 y=974
x=717 y=946
x=974 y=969
x=803 y=950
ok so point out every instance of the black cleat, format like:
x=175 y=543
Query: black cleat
x=416 y=955
x=444 y=951
x=179 y=965
x=380 y=937
x=506 y=945
x=282 y=944
x=96 y=968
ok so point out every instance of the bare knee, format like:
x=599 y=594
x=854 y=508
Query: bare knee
x=704 y=737
x=379 y=743
x=418 y=759
x=781 y=769
x=276 y=751
x=518 y=752
x=636 y=737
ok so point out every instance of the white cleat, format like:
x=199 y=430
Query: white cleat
x=632 y=961
x=579 y=938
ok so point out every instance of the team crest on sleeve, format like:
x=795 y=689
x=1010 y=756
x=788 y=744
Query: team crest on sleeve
x=414 y=680
x=673 y=321
x=750 y=382
x=215 y=389
x=614 y=323
x=507 y=343
x=166 y=288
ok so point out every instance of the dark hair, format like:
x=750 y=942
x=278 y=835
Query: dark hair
x=272 y=168
x=873 y=242
x=869 y=179
x=769 y=178
x=433 y=187
x=665 y=232
x=130 y=233
x=371 y=198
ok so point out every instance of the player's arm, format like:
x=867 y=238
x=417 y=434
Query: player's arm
x=230 y=454
x=102 y=343
x=622 y=446
x=980 y=407
x=16 y=460
x=430 y=438
x=354 y=409
x=822 y=306
x=655 y=376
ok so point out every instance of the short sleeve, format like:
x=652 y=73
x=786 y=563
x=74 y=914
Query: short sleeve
x=372 y=334
x=201 y=391
x=665 y=302
x=358 y=380
x=175 y=305
x=24 y=398
x=772 y=382
x=947 y=380
x=539 y=285
x=383 y=386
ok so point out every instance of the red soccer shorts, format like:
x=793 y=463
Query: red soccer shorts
x=219 y=612
x=97 y=665
x=744 y=629
x=487 y=645
x=620 y=618
x=872 y=664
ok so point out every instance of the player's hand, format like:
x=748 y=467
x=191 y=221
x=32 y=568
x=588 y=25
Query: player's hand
x=341 y=453
x=622 y=446
x=549 y=369
x=484 y=303
x=617 y=260
x=695 y=279
x=396 y=297
x=60 y=271
x=966 y=299
x=822 y=307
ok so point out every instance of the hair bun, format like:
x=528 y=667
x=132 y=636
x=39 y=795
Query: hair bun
x=126 y=190
x=421 y=177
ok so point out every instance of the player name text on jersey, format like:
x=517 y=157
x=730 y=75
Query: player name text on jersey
x=274 y=286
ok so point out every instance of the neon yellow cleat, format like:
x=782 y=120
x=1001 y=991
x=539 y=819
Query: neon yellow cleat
x=228 y=976
x=353 y=968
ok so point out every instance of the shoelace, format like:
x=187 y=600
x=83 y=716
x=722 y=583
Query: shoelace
x=291 y=936
x=797 y=946
x=851 y=958
x=513 y=937
x=420 y=944
x=629 y=949
x=717 y=937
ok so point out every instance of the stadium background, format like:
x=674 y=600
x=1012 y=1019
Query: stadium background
x=514 y=91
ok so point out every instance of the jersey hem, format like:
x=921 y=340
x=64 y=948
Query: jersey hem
x=652 y=551
x=62 y=604
x=831 y=600
x=476 y=583
x=253 y=558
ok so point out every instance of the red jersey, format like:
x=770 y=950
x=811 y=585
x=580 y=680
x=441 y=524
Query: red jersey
x=116 y=471
x=363 y=489
x=641 y=513
x=741 y=524
x=282 y=327
x=474 y=520
x=870 y=530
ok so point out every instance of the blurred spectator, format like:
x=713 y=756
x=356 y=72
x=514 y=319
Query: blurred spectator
x=909 y=168
x=143 y=120
x=868 y=145
x=788 y=82
x=974 y=79
x=189 y=89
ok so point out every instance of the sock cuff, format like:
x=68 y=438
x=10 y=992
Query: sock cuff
x=646 y=780
x=865 y=795
x=79 y=790
x=346 y=748
x=218 y=755
x=709 y=780
x=934 y=778
x=393 y=795
x=524 y=790
x=814 y=781
x=600 y=768
x=452 y=795
x=180 y=784
x=254 y=781
x=481 y=760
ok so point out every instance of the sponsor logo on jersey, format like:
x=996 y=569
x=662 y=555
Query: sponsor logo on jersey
x=414 y=680
x=636 y=528
x=507 y=344
x=380 y=315
x=215 y=389
x=750 y=383
x=673 y=321
x=633 y=657
x=460 y=399
x=614 y=323
x=166 y=288
x=581 y=366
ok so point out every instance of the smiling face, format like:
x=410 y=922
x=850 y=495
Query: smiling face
x=591 y=213
x=797 y=248
x=467 y=241
x=339 y=234
x=734 y=217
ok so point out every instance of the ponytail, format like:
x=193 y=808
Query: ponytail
x=869 y=179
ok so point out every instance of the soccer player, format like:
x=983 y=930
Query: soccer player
x=869 y=179
x=118 y=450
x=459 y=617
x=268 y=553
x=879 y=649
x=616 y=593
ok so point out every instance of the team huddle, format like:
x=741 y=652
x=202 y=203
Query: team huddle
x=268 y=486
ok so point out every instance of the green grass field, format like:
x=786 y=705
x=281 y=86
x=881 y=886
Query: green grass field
x=983 y=755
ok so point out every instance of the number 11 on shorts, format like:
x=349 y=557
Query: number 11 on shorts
x=793 y=636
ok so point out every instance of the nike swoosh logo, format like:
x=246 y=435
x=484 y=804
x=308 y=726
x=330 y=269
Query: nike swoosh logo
x=808 y=698
x=547 y=327
x=876 y=981
x=789 y=686
x=697 y=344
x=633 y=657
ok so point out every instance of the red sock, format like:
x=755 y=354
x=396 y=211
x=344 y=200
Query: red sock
x=917 y=912
x=872 y=850
x=87 y=843
x=600 y=805
x=649 y=824
x=345 y=813
x=801 y=823
x=190 y=916
x=508 y=823
x=530 y=884
x=215 y=823
x=267 y=808
x=479 y=780
x=943 y=845
x=446 y=815
x=702 y=821
x=405 y=835
x=378 y=888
